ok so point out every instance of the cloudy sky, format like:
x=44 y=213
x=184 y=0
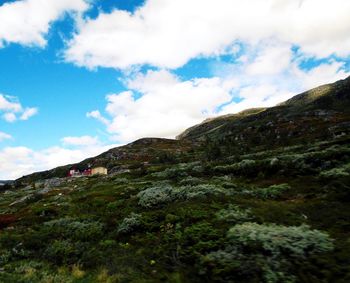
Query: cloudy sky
x=80 y=76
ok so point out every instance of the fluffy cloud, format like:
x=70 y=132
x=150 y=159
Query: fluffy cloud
x=166 y=107
x=4 y=136
x=9 y=103
x=28 y=21
x=324 y=73
x=18 y=161
x=271 y=74
x=12 y=109
x=80 y=141
x=28 y=112
x=167 y=33
x=97 y=115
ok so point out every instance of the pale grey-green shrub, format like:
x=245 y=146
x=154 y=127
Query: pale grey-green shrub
x=298 y=241
x=180 y=170
x=166 y=193
x=234 y=214
x=156 y=195
x=199 y=191
x=239 y=166
x=190 y=181
x=74 y=228
x=130 y=223
x=267 y=249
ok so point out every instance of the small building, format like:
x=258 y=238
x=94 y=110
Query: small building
x=74 y=172
x=87 y=172
x=99 y=171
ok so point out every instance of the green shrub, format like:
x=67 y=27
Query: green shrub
x=178 y=171
x=5 y=256
x=61 y=251
x=199 y=191
x=155 y=195
x=265 y=252
x=108 y=244
x=71 y=228
x=234 y=214
x=245 y=167
x=191 y=181
x=115 y=205
x=276 y=240
x=130 y=223
x=335 y=173
x=166 y=193
x=271 y=192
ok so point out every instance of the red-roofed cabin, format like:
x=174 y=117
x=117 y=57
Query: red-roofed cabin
x=73 y=172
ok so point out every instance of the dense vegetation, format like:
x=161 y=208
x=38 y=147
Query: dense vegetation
x=217 y=209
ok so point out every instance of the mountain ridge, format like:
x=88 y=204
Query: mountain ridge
x=329 y=103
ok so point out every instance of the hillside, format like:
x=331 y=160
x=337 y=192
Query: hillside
x=317 y=114
x=258 y=196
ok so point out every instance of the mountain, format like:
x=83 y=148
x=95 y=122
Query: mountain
x=320 y=113
x=258 y=196
x=121 y=158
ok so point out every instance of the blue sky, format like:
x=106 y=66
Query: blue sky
x=78 y=77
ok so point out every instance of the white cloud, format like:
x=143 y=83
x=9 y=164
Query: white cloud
x=28 y=21
x=9 y=103
x=12 y=109
x=166 y=107
x=324 y=73
x=97 y=115
x=271 y=59
x=271 y=75
x=29 y=112
x=80 y=141
x=4 y=136
x=18 y=161
x=10 y=117
x=167 y=33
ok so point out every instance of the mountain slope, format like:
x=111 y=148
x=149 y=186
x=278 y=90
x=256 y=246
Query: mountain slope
x=120 y=158
x=320 y=113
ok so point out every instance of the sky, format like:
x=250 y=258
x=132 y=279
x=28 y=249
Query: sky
x=78 y=77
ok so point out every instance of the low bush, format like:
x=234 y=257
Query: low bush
x=156 y=195
x=335 y=173
x=71 y=228
x=266 y=252
x=271 y=192
x=234 y=214
x=276 y=240
x=166 y=193
x=130 y=223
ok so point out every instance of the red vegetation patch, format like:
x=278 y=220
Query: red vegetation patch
x=6 y=220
